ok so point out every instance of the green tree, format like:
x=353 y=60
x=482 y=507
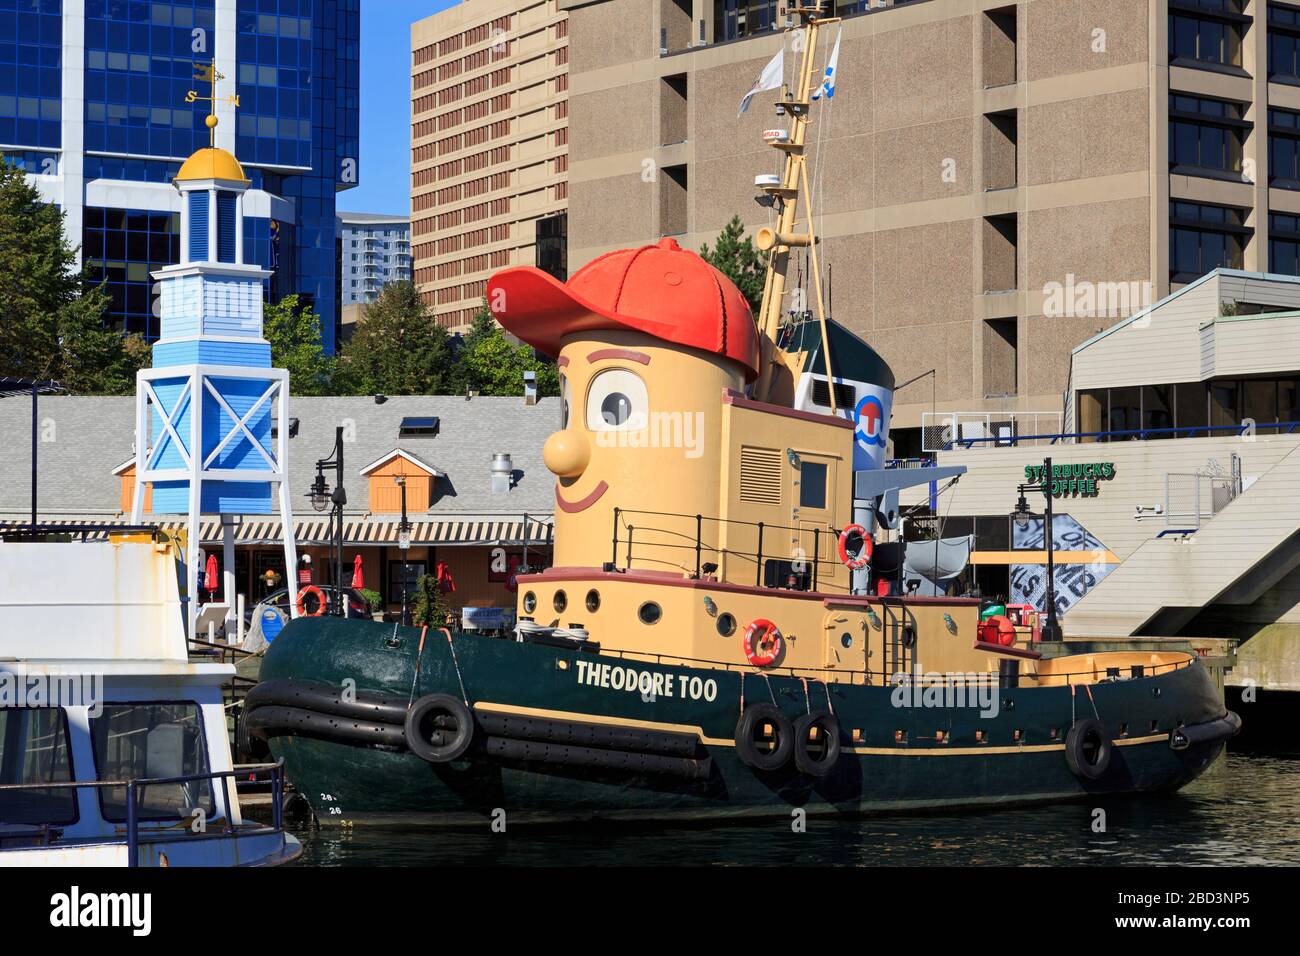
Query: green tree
x=295 y=335
x=397 y=348
x=735 y=257
x=430 y=607
x=492 y=363
x=51 y=318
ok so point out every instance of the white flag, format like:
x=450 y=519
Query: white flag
x=769 y=79
x=827 y=89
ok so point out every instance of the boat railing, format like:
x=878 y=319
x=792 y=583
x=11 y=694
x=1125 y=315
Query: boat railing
x=867 y=676
x=135 y=787
x=805 y=568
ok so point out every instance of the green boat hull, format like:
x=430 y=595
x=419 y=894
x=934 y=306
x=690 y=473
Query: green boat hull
x=894 y=758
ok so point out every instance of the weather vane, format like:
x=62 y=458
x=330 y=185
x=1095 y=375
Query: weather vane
x=208 y=73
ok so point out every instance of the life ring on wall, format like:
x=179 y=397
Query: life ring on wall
x=863 y=557
x=762 y=642
x=320 y=601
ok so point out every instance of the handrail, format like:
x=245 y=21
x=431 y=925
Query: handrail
x=819 y=673
x=135 y=784
x=698 y=546
x=1189 y=430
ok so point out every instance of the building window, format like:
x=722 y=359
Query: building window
x=1284 y=148
x=1200 y=39
x=402 y=577
x=1283 y=42
x=1203 y=238
x=1284 y=244
x=1205 y=134
x=553 y=246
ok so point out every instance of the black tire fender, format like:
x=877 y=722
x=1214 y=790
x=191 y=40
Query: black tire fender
x=828 y=729
x=439 y=728
x=1088 y=735
x=754 y=718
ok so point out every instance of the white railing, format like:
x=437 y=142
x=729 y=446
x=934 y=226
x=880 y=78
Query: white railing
x=945 y=431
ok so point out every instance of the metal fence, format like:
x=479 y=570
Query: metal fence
x=943 y=431
x=1192 y=498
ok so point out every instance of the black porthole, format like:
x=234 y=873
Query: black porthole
x=560 y=602
x=593 y=600
x=726 y=624
x=530 y=602
x=649 y=613
x=846 y=639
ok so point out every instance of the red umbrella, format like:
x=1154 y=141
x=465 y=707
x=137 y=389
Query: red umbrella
x=210 y=574
x=358 y=574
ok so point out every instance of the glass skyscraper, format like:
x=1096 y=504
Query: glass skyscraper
x=93 y=106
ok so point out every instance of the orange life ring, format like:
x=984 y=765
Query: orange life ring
x=762 y=642
x=864 y=556
x=320 y=601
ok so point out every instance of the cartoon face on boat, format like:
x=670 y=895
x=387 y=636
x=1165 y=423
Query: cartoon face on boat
x=648 y=341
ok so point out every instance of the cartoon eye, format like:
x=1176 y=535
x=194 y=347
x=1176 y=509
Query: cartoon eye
x=564 y=402
x=617 y=401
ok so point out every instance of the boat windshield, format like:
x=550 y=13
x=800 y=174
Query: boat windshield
x=152 y=740
x=34 y=750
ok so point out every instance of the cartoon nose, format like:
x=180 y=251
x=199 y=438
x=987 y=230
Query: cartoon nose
x=567 y=453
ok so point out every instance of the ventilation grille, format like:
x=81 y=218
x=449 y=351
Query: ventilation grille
x=845 y=395
x=760 y=475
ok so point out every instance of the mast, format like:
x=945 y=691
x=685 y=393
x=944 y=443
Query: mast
x=785 y=196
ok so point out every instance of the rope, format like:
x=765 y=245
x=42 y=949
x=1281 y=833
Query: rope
x=770 y=692
x=459 y=679
x=807 y=701
x=1088 y=688
x=829 y=706
x=1072 y=717
x=419 y=654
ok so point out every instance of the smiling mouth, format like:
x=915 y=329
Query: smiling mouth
x=573 y=507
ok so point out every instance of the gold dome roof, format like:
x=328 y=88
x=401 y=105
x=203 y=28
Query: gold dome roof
x=211 y=163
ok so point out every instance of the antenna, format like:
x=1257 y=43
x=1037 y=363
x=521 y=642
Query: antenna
x=784 y=194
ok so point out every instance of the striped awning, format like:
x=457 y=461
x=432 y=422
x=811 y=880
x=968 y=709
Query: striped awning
x=477 y=530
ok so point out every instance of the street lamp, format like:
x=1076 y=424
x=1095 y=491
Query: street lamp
x=1051 y=630
x=404 y=542
x=322 y=497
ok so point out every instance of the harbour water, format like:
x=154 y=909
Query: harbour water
x=1244 y=812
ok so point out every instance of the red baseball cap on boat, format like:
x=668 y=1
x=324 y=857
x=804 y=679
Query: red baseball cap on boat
x=662 y=290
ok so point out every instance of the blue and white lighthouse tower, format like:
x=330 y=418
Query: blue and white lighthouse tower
x=204 y=410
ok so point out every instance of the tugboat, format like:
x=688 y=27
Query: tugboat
x=708 y=642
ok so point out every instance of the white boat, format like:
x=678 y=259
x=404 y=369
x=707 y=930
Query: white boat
x=114 y=748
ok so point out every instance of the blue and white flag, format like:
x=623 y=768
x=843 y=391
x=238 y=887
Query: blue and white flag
x=827 y=89
x=769 y=79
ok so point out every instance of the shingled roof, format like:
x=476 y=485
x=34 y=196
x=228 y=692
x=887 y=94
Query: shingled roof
x=83 y=439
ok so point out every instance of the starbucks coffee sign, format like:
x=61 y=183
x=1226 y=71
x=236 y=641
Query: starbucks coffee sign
x=1073 y=480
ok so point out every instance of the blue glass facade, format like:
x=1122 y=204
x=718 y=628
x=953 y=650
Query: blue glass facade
x=31 y=72
x=139 y=64
x=296 y=131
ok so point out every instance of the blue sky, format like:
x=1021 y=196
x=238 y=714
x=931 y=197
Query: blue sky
x=386 y=105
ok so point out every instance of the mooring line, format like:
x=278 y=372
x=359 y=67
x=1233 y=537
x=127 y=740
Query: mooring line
x=419 y=653
x=1088 y=688
x=455 y=663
